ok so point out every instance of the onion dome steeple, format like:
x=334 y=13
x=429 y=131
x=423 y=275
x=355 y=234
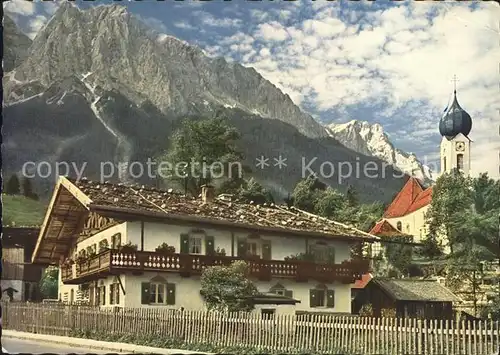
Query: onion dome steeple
x=455 y=120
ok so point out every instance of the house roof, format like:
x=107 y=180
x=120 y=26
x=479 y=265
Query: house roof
x=125 y=202
x=416 y=290
x=365 y=279
x=412 y=197
x=383 y=227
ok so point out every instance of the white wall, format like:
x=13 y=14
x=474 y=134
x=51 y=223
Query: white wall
x=187 y=289
x=415 y=224
x=95 y=239
x=188 y=293
x=281 y=246
x=449 y=152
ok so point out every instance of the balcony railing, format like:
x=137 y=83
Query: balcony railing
x=114 y=262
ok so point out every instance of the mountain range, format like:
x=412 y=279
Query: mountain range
x=371 y=140
x=99 y=85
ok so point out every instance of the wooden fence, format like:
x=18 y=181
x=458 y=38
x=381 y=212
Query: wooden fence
x=281 y=333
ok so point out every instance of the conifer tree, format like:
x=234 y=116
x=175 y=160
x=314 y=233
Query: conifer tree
x=13 y=186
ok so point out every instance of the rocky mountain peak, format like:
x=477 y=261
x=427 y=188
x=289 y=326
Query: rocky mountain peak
x=121 y=52
x=16 y=44
x=370 y=139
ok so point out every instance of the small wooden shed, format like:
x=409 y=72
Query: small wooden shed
x=407 y=298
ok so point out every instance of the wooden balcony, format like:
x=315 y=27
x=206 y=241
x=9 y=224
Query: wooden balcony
x=114 y=263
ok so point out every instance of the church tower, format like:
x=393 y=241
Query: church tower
x=454 y=127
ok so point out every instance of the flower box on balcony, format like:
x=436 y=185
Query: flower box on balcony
x=128 y=248
x=165 y=249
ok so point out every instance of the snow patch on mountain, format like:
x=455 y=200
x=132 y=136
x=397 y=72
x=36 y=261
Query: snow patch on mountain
x=371 y=140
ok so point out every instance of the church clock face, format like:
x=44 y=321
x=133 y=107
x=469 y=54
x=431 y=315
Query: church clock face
x=460 y=146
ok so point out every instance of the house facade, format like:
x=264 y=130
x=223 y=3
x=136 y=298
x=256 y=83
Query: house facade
x=20 y=278
x=119 y=246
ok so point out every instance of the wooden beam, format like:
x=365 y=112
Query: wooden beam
x=55 y=195
x=76 y=192
x=121 y=285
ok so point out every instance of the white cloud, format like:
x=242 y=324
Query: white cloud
x=35 y=24
x=272 y=31
x=401 y=55
x=19 y=7
x=208 y=19
x=184 y=25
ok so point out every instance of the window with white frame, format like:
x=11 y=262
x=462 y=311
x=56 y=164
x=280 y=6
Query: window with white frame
x=157 y=293
x=195 y=244
x=101 y=293
x=114 y=292
x=161 y=293
x=252 y=247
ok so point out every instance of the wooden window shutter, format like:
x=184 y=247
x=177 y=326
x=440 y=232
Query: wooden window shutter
x=145 y=286
x=170 y=293
x=118 y=290
x=242 y=248
x=331 y=255
x=103 y=295
x=330 y=298
x=111 y=290
x=209 y=245
x=184 y=243
x=289 y=293
x=313 y=298
x=266 y=250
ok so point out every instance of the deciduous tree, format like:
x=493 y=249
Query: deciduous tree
x=200 y=148
x=228 y=288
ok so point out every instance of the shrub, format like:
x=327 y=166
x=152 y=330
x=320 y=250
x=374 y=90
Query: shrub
x=366 y=310
x=128 y=248
x=164 y=248
x=220 y=252
x=388 y=313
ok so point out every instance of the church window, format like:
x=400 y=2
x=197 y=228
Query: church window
x=399 y=226
x=444 y=163
x=460 y=161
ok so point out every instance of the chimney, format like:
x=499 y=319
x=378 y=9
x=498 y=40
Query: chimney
x=207 y=193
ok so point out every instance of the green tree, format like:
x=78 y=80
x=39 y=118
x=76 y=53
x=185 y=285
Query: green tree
x=431 y=247
x=330 y=203
x=28 y=189
x=252 y=191
x=49 y=283
x=307 y=192
x=200 y=148
x=227 y=288
x=399 y=255
x=351 y=196
x=13 y=187
x=486 y=194
x=452 y=194
x=492 y=309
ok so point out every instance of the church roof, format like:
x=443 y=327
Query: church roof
x=412 y=197
x=455 y=120
x=384 y=228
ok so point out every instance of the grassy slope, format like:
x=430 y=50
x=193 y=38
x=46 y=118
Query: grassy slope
x=23 y=211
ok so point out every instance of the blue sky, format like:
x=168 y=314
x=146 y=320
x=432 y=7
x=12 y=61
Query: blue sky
x=382 y=62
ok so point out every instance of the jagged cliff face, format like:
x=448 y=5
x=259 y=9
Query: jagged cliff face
x=98 y=85
x=371 y=140
x=121 y=53
x=15 y=45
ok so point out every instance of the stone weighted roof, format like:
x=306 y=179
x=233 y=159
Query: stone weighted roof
x=140 y=198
